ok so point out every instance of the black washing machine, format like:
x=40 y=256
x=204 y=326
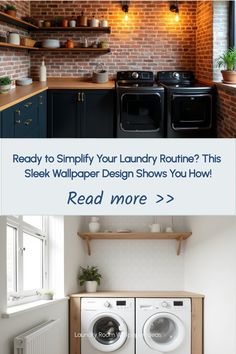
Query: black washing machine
x=140 y=105
x=189 y=105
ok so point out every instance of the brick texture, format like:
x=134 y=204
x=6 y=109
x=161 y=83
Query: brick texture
x=14 y=63
x=204 y=41
x=226 y=112
x=151 y=40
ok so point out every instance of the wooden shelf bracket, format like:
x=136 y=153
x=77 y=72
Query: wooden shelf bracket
x=87 y=240
x=179 y=244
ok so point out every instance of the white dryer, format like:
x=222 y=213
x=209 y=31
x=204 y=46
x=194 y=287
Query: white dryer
x=163 y=325
x=107 y=325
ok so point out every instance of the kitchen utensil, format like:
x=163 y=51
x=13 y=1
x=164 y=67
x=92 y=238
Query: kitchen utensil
x=28 y=42
x=100 y=75
x=24 y=81
x=70 y=44
x=47 y=23
x=103 y=23
x=72 y=23
x=40 y=23
x=82 y=20
x=103 y=45
x=51 y=43
x=84 y=43
x=94 y=22
x=94 y=224
x=155 y=228
x=13 y=38
x=64 y=22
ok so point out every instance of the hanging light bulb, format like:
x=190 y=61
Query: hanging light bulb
x=174 y=8
x=125 y=9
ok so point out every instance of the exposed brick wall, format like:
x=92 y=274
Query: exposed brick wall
x=204 y=41
x=226 y=112
x=14 y=63
x=151 y=40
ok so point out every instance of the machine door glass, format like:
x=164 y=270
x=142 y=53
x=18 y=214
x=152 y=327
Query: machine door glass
x=107 y=332
x=164 y=332
x=191 y=111
x=141 y=111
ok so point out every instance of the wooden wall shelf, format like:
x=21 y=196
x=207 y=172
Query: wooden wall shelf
x=178 y=236
x=80 y=29
x=16 y=21
x=9 y=45
x=82 y=50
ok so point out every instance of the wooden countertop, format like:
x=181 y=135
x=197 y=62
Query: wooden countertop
x=20 y=93
x=78 y=84
x=173 y=294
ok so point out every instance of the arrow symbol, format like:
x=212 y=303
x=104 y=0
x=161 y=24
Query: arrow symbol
x=171 y=198
x=160 y=198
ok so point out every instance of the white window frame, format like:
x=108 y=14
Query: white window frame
x=20 y=296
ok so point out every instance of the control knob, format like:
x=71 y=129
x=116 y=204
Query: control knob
x=176 y=75
x=107 y=304
x=135 y=75
x=165 y=304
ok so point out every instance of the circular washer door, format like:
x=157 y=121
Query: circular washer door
x=107 y=332
x=164 y=332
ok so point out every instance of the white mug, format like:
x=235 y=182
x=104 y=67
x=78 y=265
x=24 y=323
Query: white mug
x=72 y=23
x=155 y=228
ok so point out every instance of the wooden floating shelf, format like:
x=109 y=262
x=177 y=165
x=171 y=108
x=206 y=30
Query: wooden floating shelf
x=178 y=236
x=84 y=50
x=81 y=29
x=16 y=21
x=9 y=45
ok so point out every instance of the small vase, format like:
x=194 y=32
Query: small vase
x=94 y=225
x=91 y=286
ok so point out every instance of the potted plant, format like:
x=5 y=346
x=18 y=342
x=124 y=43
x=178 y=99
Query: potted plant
x=47 y=295
x=227 y=60
x=90 y=277
x=5 y=84
x=10 y=10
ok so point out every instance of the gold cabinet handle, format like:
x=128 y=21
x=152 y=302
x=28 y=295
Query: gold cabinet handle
x=28 y=104
x=17 y=121
x=40 y=99
x=82 y=96
x=79 y=96
x=28 y=122
x=17 y=111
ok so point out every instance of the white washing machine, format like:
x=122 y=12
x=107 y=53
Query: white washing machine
x=107 y=325
x=163 y=325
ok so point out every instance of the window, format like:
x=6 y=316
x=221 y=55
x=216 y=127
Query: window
x=232 y=23
x=26 y=258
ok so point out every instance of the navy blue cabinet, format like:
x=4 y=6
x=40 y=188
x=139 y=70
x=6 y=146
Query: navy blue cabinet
x=26 y=119
x=81 y=113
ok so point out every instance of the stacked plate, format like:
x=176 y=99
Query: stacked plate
x=24 y=81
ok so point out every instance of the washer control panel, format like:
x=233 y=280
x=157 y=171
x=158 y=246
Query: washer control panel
x=107 y=304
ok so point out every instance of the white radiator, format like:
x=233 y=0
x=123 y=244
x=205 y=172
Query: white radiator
x=42 y=339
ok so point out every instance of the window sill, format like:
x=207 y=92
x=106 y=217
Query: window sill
x=20 y=309
x=227 y=87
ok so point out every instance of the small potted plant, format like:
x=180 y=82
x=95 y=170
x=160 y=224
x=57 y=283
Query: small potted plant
x=227 y=60
x=5 y=84
x=47 y=295
x=10 y=10
x=90 y=277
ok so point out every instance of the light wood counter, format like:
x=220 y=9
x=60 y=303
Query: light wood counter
x=21 y=93
x=78 y=84
x=182 y=294
x=197 y=305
